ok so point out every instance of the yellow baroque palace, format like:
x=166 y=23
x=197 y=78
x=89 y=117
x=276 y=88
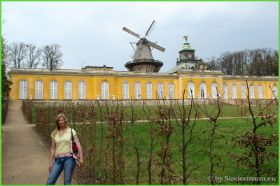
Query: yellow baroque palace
x=142 y=81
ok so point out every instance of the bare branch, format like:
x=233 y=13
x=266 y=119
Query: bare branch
x=52 y=57
x=33 y=56
x=17 y=53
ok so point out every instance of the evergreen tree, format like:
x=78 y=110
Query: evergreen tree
x=6 y=83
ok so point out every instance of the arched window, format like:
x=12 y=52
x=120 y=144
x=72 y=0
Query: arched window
x=260 y=91
x=252 y=92
x=149 y=90
x=53 y=90
x=171 y=90
x=214 y=90
x=23 y=89
x=82 y=90
x=67 y=90
x=203 y=90
x=125 y=90
x=225 y=91
x=274 y=92
x=104 y=90
x=38 y=89
x=160 y=91
x=243 y=91
x=191 y=92
x=234 y=91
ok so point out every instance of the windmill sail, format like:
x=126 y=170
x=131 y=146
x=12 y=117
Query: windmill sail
x=154 y=45
x=142 y=60
x=131 y=32
x=149 y=29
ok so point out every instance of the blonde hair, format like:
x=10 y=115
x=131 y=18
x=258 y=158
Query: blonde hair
x=61 y=115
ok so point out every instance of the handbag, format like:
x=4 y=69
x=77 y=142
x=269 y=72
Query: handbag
x=75 y=149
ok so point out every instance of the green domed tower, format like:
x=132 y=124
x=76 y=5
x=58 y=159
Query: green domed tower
x=187 y=55
x=187 y=60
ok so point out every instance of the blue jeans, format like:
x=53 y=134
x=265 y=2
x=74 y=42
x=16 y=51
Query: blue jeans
x=66 y=163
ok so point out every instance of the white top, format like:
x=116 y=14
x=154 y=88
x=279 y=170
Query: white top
x=63 y=143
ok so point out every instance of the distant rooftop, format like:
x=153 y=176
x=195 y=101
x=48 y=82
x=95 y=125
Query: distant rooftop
x=97 y=68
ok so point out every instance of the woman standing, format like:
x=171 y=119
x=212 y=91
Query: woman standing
x=62 y=157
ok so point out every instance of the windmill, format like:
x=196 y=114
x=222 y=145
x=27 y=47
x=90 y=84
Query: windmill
x=142 y=60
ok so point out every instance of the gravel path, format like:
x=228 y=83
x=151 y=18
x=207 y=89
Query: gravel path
x=25 y=157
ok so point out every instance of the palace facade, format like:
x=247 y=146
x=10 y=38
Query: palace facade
x=93 y=82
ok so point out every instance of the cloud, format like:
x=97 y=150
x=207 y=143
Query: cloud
x=91 y=32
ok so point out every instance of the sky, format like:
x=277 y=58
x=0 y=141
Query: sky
x=90 y=33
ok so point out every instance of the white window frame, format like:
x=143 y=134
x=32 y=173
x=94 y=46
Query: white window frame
x=149 y=90
x=39 y=86
x=234 y=91
x=104 y=90
x=137 y=90
x=243 y=92
x=67 y=89
x=23 y=89
x=260 y=91
x=252 y=92
x=171 y=89
x=160 y=91
x=203 y=90
x=81 y=89
x=53 y=89
x=125 y=90
x=274 y=92
x=191 y=87
x=225 y=92
x=214 y=88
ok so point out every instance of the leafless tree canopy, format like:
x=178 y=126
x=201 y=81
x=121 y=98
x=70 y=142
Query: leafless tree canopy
x=16 y=54
x=33 y=56
x=22 y=55
x=52 y=57
x=258 y=62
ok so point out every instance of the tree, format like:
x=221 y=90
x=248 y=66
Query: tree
x=33 y=56
x=213 y=116
x=257 y=62
x=226 y=63
x=274 y=65
x=213 y=64
x=52 y=57
x=17 y=53
x=5 y=81
x=255 y=145
x=183 y=119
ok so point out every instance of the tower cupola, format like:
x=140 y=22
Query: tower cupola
x=186 y=54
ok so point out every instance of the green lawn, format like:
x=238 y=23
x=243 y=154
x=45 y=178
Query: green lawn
x=74 y=112
x=198 y=150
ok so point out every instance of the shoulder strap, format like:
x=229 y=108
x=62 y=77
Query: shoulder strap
x=72 y=137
